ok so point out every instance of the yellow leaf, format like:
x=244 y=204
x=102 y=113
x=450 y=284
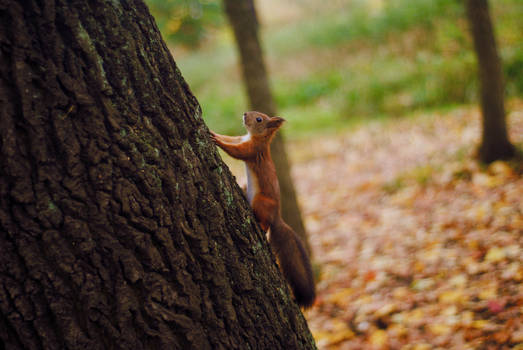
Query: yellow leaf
x=338 y=332
x=378 y=338
x=459 y=281
x=467 y=317
x=320 y=336
x=501 y=168
x=419 y=266
x=400 y=292
x=484 y=180
x=450 y=311
x=440 y=329
x=423 y=284
x=513 y=271
x=341 y=331
x=517 y=221
x=488 y=293
x=483 y=324
x=422 y=347
x=397 y=330
x=386 y=309
x=340 y=336
x=495 y=254
x=415 y=315
x=451 y=297
x=341 y=297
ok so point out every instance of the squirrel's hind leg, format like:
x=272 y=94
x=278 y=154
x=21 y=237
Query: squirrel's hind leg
x=264 y=210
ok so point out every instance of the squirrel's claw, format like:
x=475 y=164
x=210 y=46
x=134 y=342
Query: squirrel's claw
x=214 y=136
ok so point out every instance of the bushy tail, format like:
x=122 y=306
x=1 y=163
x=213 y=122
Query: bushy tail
x=294 y=262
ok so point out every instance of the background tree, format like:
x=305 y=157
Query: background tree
x=186 y=22
x=120 y=226
x=244 y=22
x=494 y=140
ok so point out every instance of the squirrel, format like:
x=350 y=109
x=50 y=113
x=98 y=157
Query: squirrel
x=263 y=194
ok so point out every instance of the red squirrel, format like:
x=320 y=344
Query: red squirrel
x=263 y=194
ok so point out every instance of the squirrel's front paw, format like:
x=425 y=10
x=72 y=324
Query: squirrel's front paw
x=214 y=136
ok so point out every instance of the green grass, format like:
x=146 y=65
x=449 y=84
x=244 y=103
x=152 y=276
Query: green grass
x=358 y=22
x=336 y=67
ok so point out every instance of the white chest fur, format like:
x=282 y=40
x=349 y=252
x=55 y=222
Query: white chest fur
x=252 y=184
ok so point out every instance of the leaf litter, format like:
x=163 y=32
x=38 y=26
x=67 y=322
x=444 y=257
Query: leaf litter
x=417 y=245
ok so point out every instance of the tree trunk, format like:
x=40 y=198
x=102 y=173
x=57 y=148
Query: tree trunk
x=120 y=227
x=494 y=142
x=243 y=19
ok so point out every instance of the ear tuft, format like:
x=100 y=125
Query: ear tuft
x=275 y=122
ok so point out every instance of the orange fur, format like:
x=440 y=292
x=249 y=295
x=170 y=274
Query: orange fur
x=263 y=193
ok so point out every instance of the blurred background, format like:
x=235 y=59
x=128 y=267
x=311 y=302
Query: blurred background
x=416 y=244
x=333 y=63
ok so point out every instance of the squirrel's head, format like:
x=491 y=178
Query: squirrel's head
x=260 y=124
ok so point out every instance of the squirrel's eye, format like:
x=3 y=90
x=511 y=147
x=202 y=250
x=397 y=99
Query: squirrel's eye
x=259 y=119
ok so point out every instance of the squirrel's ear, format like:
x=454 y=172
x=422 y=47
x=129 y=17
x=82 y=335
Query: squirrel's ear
x=275 y=122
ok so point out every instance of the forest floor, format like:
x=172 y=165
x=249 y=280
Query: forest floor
x=417 y=245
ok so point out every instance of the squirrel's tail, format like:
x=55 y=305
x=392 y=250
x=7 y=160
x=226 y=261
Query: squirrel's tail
x=294 y=262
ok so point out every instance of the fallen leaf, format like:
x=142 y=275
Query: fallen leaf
x=517 y=335
x=496 y=306
x=450 y=311
x=483 y=325
x=423 y=284
x=341 y=297
x=413 y=260
x=341 y=331
x=459 y=281
x=337 y=332
x=440 y=329
x=484 y=180
x=501 y=168
x=397 y=330
x=452 y=296
x=501 y=337
x=467 y=317
x=386 y=310
x=489 y=292
x=495 y=254
x=378 y=338
x=370 y=276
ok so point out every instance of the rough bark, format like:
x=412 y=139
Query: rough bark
x=494 y=140
x=243 y=19
x=120 y=227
